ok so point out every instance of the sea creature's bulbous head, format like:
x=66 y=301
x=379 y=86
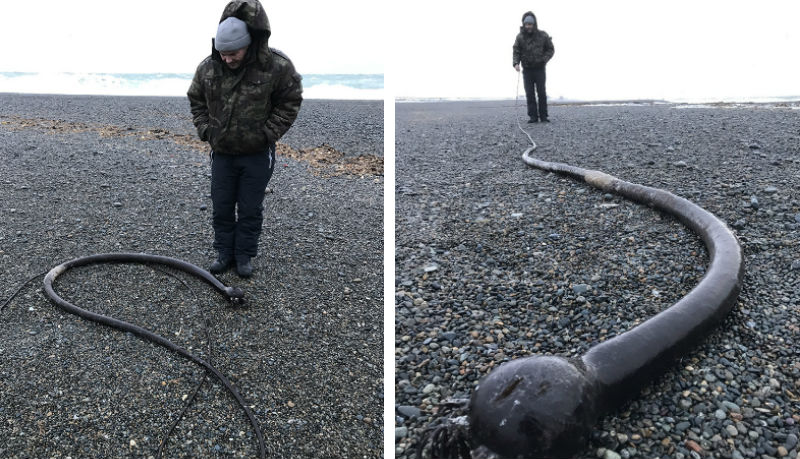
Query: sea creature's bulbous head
x=540 y=406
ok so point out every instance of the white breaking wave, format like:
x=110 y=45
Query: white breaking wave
x=338 y=91
x=92 y=84
x=174 y=84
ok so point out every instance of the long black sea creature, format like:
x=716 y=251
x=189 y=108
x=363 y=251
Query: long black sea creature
x=234 y=294
x=545 y=406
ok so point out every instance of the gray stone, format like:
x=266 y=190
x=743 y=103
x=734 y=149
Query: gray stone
x=581 y=288
x=681 y=426
x=400 y=432
x=791 y=441
x=730 y=406
x=449 y=336
x=408 y=411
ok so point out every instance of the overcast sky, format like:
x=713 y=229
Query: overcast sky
x=173 y=36
x=684 y=49
x=615 y=49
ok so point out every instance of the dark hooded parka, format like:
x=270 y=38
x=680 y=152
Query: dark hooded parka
x=242 y=112
x=246 y=110
x=532 y=49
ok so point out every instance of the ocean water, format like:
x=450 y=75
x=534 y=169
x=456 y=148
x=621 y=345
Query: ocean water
x=315 y=86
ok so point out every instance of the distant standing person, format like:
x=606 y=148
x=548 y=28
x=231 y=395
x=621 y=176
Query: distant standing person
x=243 y=97
x=533 y=49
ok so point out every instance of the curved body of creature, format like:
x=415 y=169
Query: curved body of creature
x=546 y=406
x=232 y=293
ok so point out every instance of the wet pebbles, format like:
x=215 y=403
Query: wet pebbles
x=532 y=263
x=305 y=352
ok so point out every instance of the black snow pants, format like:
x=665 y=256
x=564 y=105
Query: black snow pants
x=237 y=194
x=534 y=78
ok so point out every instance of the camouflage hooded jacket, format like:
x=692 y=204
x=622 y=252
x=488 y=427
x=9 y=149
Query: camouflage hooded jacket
x=246 y=110
x=533 y=49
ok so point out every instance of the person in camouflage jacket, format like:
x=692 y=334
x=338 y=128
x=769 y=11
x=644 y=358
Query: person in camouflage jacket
x=243 y=98
x=533 y=49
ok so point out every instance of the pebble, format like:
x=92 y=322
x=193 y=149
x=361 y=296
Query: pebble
x=609 y=454
x=408 y=411
x=730 y=406
x=694 y=446
x=731 y=430
x=683 y=425
x=791 y=441
x=429 y=388
x=581 y=288
x=400 y=432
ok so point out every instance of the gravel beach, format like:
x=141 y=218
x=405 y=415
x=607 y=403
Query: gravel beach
x=495 y=261
x=85 y=175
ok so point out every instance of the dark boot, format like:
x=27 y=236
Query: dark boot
x=221 y=265
x=243 y=267
x=534 y=120
x=545 y=120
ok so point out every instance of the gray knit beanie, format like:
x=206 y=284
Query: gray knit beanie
x=232 y=34
x=529 y=20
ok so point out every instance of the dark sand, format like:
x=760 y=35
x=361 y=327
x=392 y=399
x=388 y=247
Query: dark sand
x=306 y=352
x=497 y=261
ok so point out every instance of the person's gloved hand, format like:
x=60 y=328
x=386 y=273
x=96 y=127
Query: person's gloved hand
x=516 y=67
